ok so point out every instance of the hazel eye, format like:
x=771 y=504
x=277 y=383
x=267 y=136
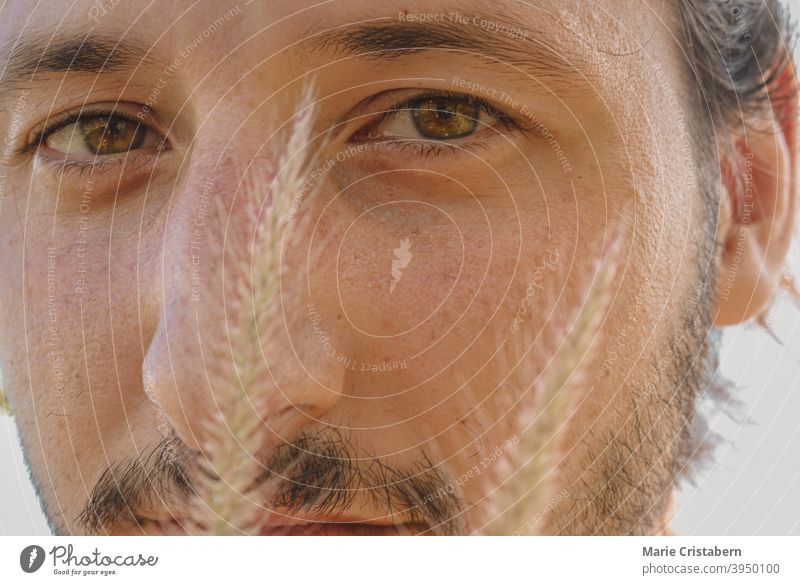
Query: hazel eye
x=442 y=118
x=102 y=135
x=435 y=118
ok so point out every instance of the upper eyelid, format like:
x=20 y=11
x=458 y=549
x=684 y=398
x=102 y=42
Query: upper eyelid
x=61 y=121
x=505 y=120
x=406 y=102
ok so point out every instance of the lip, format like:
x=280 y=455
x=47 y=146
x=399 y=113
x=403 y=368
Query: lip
x=341 y=529
x=337 y=526
x=305 y=526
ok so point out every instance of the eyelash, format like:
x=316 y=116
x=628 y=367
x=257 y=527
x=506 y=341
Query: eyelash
x=423 y=147
x=80 y=166
x=430 y=147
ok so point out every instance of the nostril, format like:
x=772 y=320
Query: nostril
x=193 y=387
x=314 y=410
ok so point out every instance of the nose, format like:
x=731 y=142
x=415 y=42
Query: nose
x=222 y=349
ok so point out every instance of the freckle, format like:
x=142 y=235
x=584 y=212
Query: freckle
x=339 y=317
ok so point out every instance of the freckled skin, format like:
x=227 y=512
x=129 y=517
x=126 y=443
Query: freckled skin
x=478 y=221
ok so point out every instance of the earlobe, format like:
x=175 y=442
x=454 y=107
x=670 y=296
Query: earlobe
x=758 y=210
x=5 y=408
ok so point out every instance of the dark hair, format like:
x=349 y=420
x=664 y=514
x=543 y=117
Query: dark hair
x=739 y=53
x=737 y=50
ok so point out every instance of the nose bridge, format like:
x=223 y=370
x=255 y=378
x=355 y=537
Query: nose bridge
x=185 y=365
x=221 y=328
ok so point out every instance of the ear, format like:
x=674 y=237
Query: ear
x=757 y=208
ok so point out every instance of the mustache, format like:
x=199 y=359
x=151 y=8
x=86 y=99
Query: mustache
x=317 y=473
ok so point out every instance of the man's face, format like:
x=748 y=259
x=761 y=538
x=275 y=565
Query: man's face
x=468 y=171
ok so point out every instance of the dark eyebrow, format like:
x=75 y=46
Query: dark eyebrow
x=519 y=46
x=91 y=53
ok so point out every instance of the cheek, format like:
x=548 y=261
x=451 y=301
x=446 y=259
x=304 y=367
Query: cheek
x=71 y=345
x=411 y=259
x=434 y=278
x=402 y=265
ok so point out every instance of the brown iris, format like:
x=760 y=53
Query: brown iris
x=111 y=134
x=444 y=118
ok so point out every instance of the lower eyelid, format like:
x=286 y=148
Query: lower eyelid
x=99 y=164
x=424 y=148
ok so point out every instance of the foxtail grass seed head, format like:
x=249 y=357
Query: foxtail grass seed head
x=530 y=465
x=229 y=498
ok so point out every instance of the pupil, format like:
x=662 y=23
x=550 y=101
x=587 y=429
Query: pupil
x=445 y=119
x=111 y=135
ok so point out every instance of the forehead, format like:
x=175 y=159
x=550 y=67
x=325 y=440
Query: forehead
x=572 y=28
x=596 y=59
x=332 y=11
